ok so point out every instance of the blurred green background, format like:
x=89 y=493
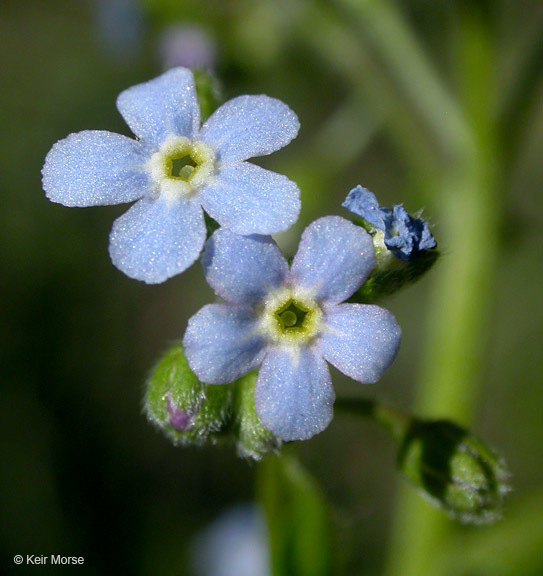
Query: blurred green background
x=437 y=105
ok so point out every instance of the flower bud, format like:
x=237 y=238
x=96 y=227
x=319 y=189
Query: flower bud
x=404 y=246
x=455 y=470
x=188 y=411
x=252 y=439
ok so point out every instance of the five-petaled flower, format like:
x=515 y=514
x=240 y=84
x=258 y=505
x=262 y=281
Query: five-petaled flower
x=291 y=321
x=175 y=168
x=406 y=237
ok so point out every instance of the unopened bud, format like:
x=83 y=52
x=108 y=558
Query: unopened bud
x=188 y=46
x=185 y=409
x=455 y=470
x=190 y=412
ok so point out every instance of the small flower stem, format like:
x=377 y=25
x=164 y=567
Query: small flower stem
x=392 y=419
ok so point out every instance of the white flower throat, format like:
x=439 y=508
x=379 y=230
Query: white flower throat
x=180 y=167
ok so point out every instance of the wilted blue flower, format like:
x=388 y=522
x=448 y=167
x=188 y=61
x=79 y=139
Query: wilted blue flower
x=405 y=236
x=175 y=169
x=291 y=321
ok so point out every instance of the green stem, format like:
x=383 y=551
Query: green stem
x=393 y=420
x=461 y=301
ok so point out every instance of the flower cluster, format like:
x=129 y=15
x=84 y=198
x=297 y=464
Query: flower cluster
x=288 y=320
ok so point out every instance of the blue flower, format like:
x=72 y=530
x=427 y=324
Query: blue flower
x=174 y=169
x=291 y=321
x=406 y=237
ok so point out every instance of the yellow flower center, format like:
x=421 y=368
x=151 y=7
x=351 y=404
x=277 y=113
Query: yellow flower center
x=290 y=318
x=180 y=167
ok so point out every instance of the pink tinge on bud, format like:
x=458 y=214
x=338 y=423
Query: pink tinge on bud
x=179 y=419
x=187 y=46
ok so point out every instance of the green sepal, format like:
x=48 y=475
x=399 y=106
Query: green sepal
x=454 y=470
x=208 y=92
x=251 y=438
x=173 y=386
x=390 y=273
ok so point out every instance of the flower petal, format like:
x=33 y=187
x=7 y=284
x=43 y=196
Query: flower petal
x=243 y=269
x=156 y=239
x=249 y=126
x=360 y=340
x=94 y=168
x=221 y=343
x=363 y=203
x=165 y=106
x=333 y=259
x=247 y=199
x=294 y=394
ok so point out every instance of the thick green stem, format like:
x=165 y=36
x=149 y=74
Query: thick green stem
x=461 y=301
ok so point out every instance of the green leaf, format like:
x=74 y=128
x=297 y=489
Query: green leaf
x=298 y=519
